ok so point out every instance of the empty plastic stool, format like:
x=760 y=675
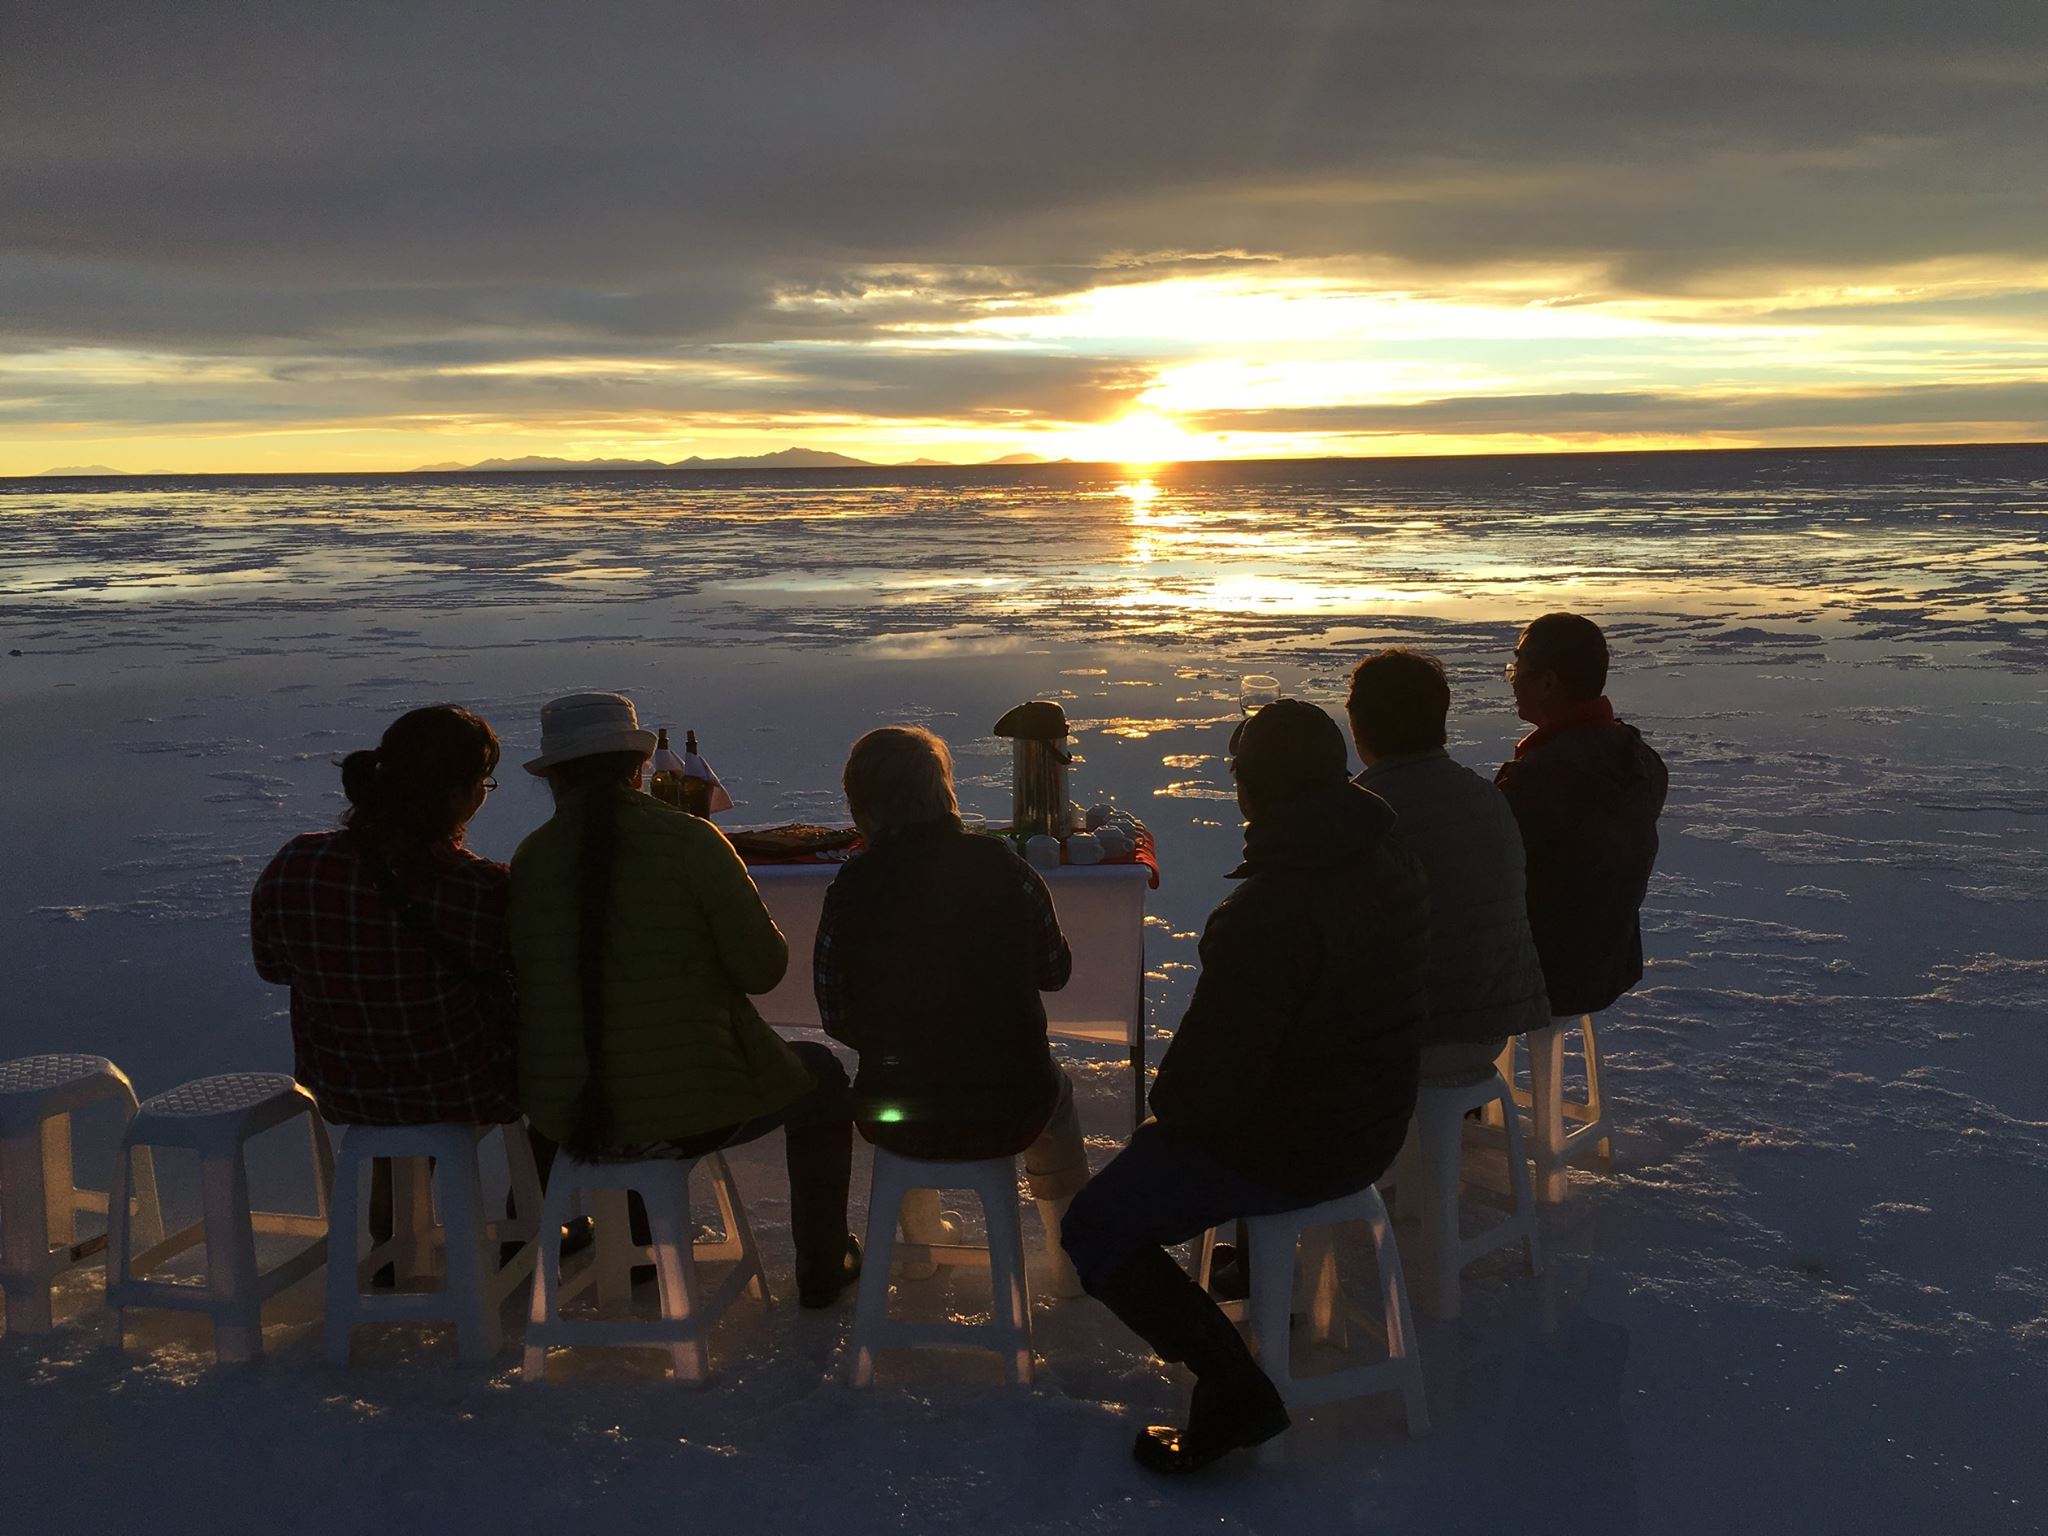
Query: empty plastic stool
x=216 y=1117
x=1565 y=1130
x=687 y=1314
x=39 y=1204
x=1008 y=1331
x=1428 y=1175
x=1271 y=1303
x=474 y=1282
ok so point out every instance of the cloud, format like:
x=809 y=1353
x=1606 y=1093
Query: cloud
x=369 y=197
x=110 y=389
x=530 y=145
x=2024 y=406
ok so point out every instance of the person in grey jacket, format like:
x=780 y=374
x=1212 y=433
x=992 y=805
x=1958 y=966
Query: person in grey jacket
x=1485 y=979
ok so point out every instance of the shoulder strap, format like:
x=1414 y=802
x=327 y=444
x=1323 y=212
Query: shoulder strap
x=410 y=913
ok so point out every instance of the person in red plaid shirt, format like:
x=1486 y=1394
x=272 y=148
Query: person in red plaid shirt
x=391 y=936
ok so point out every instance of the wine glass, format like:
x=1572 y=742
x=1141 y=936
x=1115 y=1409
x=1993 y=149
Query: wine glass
x=1255 y=692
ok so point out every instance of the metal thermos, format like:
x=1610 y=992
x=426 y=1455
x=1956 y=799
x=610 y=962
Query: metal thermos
x=1038 y=762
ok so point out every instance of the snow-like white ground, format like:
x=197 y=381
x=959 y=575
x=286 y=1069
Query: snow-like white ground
x=1811 y=1295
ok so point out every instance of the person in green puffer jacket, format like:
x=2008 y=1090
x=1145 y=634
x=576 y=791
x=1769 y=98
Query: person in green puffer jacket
x=636 y=938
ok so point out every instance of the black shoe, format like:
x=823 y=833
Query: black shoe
x=577 y=1235
x=1235 y=1404
x=849 y=1271
x=1224 y=1418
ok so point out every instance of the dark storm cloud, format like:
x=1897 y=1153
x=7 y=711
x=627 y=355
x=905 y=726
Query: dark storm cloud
x=242 y=175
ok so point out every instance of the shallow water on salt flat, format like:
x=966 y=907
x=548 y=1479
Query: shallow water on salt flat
x=1834 y=1080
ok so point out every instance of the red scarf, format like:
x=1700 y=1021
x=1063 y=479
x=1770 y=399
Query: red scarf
x=1592 y=712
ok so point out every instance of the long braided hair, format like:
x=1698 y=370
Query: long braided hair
x=592 y=782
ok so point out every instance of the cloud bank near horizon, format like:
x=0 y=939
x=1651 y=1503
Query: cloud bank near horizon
x=369 y=234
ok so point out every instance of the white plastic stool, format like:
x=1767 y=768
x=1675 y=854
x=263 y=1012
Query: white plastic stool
x=1566 y=1130
x=1428 y=1177
x=215 y=1117
x=924 y=1227
x=475 y=1284
x=39 y=1204
x=1008 y=1331
x=687 y=1314
x=1270 y=1306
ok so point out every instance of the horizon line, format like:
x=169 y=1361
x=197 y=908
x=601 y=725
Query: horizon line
x=595 y=466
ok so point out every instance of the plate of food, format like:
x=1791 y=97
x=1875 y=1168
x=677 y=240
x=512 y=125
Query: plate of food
x=795 y=840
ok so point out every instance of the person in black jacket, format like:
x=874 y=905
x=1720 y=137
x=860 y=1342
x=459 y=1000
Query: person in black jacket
x=1291 y=1078
x=1586 y=791
x=932 y=949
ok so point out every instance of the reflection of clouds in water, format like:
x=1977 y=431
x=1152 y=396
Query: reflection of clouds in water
x=957 y=640
x=1194 y=789
x=1236 y=555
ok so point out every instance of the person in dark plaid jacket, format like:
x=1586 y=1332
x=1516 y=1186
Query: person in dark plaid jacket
x=391 y=936
x=932 y=949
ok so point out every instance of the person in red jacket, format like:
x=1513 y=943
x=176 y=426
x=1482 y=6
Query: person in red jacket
x=1586 y=790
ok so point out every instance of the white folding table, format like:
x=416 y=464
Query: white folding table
x=1101 y=908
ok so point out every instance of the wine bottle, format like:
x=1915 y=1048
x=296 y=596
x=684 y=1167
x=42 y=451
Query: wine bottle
x=667 y=783
x=695 y=791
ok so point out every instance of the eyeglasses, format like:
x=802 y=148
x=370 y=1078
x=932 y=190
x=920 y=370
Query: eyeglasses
x=489 y=785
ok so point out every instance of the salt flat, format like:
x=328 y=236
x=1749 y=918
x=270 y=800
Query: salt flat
x=1811 y=1295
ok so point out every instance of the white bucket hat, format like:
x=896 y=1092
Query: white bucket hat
x=585 y=724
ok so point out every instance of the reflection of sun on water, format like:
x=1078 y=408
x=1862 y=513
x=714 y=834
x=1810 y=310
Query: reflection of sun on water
x=1253 y=593
x=1140 y=494
x=1169 y=532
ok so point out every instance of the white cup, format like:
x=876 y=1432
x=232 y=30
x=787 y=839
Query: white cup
x=1113 y=840
x=1042 y=851
x=1084 y=848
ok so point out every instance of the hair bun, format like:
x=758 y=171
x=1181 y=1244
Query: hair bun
x=359 y=776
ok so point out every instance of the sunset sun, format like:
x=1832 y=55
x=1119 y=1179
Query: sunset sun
x=1137 y=440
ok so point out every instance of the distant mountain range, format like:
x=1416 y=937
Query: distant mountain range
x=787 y=458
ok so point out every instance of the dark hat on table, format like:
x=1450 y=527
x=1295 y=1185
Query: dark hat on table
x=1289 y=747
x=1040 y=720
